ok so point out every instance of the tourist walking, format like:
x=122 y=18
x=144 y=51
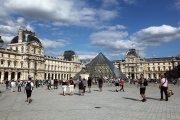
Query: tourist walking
x=19 y=86
x=122 y=84
x=28 y=90
x=100 y=83
x=64 y=86
x=116 y=82
x=163 y=87
x=89 y=83
x=7 y=84
x=71 y=86
x=84 y=83
x=13 y=85
x=142 y=87
x=49 y=84
x=81 y=87
x=37 y=83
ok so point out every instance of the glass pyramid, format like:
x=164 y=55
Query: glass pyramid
x=100 y=65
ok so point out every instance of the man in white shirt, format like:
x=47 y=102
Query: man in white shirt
x=163 y=87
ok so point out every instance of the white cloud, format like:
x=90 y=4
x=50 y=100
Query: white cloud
x=12 y=25
x=111 y=39
x=156 y=34
x=86 y=55
x=62 y=12
x=50 y=44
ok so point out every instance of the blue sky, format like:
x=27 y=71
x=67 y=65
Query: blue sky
x=91 y=26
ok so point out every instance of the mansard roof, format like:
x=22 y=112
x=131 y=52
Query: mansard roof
x=132 y=52
x=29 y=38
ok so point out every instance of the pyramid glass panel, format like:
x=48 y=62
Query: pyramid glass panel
x=100 y=65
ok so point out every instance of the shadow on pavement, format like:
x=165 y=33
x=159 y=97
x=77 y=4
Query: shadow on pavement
x=152 y=98
x=112 y=90
x=131 y=99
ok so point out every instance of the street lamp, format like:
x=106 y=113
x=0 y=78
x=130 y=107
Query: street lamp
x=1 y=42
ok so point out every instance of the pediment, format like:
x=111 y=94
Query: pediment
x=34 y=43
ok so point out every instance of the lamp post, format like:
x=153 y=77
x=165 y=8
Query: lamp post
x=1 y=42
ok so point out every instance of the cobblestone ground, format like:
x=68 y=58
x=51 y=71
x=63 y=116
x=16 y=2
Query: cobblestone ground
x=105 y=105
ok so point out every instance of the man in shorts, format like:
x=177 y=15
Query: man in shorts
x=89 y=84
x=142 y=88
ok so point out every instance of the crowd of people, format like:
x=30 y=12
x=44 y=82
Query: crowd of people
x=82 y=84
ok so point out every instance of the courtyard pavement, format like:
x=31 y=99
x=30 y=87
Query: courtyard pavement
x=105 y=105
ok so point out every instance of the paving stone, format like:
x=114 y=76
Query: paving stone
x=105 y=105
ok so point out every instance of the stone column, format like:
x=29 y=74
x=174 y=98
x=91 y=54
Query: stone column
x=2 y=77
x=9 y=75
x=15 y=77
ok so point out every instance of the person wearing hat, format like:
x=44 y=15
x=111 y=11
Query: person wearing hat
x=28 y=89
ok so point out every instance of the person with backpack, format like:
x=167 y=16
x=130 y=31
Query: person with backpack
x=81 y=87
x=28 y=89
x=89 y=83
x=142 y=87
x=71 y=86
x=163 y=87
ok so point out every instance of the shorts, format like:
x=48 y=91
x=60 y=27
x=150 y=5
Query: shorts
x=28 y=93
x=71 y=87
x=64 y=88
x=142 y=90
x=100 y=85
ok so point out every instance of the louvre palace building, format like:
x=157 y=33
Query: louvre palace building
x=23 y=58
x=152 y=68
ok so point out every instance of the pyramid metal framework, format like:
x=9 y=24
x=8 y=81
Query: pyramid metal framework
x=100 y=65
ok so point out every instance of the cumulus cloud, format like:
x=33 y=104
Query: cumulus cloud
x=156 y=34
x=86 y=55
x=68 y=12
x=111 y=39
x=12 y=25
x=116 y=40
x=50 y=44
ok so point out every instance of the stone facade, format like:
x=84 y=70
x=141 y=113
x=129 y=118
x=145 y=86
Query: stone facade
x=132 y=66
x=24 y=58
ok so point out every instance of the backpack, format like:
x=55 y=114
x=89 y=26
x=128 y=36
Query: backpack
x=28 y=86
x=145 y=82
x=81 y=83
